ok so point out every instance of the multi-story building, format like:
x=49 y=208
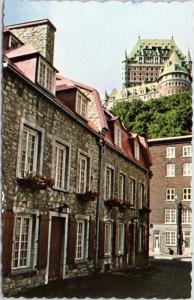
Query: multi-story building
x=170 y=196
x=154 y=68
x=76 y=188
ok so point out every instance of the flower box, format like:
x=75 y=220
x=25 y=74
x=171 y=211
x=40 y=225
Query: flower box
x=113 y=202
x=35 y=182
x=144 y=210
x=88 y=196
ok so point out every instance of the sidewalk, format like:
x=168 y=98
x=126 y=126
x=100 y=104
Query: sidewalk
x=170 y=257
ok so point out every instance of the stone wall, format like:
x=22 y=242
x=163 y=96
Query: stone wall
x=41 y=37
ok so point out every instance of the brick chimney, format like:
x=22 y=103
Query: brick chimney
x=40 y=34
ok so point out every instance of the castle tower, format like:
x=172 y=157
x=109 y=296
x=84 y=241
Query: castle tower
x=175 y=77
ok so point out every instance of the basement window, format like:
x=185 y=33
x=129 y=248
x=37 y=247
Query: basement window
x=46 y=75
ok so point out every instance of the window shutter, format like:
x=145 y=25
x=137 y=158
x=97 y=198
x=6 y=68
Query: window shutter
x=101 y=238
x=126 y=238
x=114 y=241
x=91 y=244
x=7 y=238
x=43 y=242
x=131 y=238
x=72 y=239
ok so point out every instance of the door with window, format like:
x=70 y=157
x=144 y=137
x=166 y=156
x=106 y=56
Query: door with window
x=156 y=243
x=187 y=242
x=56 y=248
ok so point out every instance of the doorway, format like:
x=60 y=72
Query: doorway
x=157 y=243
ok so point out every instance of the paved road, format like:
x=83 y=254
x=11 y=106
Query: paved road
x=164 y=279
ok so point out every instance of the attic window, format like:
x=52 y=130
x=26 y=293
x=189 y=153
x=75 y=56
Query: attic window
x=13 y=42
x=136 y=150
x=118 y=136
x=82 y=105
x=46 y=75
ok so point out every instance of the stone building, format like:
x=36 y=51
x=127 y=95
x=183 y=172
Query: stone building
x=170 y=196
x=76 y=189
x=153 y=69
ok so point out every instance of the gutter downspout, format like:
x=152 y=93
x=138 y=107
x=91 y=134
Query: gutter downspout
x=101 y=150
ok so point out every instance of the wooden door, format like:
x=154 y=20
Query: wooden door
x=131 y=242
x=56 y=247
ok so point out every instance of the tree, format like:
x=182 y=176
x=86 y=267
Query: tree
x=161 y=117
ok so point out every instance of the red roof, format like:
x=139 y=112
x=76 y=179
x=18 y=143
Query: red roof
x=20 y=51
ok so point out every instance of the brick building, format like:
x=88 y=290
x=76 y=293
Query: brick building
x=153 y=69
x=76 y=190
x=170 y=195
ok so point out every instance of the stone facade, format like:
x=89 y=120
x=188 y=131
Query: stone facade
x=55 y=183
x=161 y=200
x=41 y=35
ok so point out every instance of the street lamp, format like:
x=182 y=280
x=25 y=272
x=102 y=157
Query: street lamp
x=135 y=221
x=179 y=224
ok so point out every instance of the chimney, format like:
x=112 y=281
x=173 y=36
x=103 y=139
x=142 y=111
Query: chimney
x=40 y=34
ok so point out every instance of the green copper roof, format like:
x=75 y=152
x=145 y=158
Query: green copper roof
x=173 y=64
x=151 y=44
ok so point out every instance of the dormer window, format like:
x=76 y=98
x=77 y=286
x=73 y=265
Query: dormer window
x=118 y=140
x=46 y=75
x=13 y=42
x=136 y=150
x=82 y=105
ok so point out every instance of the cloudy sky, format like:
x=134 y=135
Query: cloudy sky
x=91 y=37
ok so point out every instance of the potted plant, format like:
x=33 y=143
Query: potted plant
x=113 y=202
x=144 y=210
x=88 y=196
x=35 y=181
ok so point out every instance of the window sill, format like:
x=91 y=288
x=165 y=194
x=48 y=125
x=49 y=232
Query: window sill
x=27 y=271
x=60 y=190
x=168 y=200
x=80 y=261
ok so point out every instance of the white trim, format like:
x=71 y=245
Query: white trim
x=171 y=212
x=170 y=243
x=170 y=152
x=47 y=67
x=132 y=179
x=111 y=183
x=88 y=157
x=170 y=194
x=187 y=147
x=109 y=238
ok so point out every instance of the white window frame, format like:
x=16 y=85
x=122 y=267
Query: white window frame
x=170 y=216
x=120 y=238
x=187 y=193
x=109 y=180
x=186 y=216
x=136 y=150
x=170 y=238
x=170 y=152
x=84 y=238
x=81 y=105
x=64 y=184
x=132 y=191
x=170 y=170
x=142 y=195
x=83 y=158
x=187 y=169
x=118 y=136
x=28 y=125
x=187 y=151
x=27 y=265
x=121 y=186
x=108 y=239
x=171 y=193
x=44 y=83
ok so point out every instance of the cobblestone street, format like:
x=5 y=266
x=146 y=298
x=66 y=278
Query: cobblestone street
x=163 y=279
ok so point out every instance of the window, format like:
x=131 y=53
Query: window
x=120 y=238
x=29 y=151
x=61 y=161
x=81 y=240
x=118 y=136
x=132 y=192
x=186 y=216
x=170 y=170
x=170 y=238
x=82 y=105
x=22 y=242
x=170 y=216
x=187 y=194
x=121 y=193
x=140 y=240
x=83 y=173
x=142 y=195
x=108 y=239
x=170 y=152
x=187 y=151
x=170 y=194
x=136 y=150
x=109 y=183
x=46 y=75
x=187 y=169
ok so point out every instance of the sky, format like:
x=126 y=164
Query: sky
x=91 y=37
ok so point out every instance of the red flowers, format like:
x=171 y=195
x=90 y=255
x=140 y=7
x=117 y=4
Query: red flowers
x=36 y=181
x=88 y=196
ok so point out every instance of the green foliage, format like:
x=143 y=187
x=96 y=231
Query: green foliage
x=162 y=117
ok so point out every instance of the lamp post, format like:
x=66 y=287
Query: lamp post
x=179 y=225
x=135 y=222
